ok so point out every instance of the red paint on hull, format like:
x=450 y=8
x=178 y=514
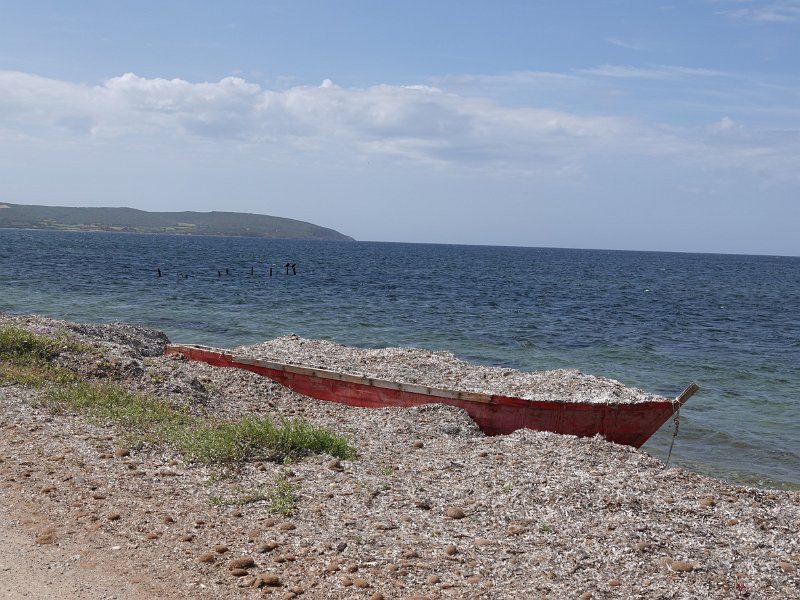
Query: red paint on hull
x=628 y=424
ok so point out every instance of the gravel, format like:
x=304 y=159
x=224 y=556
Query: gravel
x=443 y=370
x=430 y=508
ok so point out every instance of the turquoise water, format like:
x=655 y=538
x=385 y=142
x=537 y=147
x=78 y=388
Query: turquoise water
x=653 y=320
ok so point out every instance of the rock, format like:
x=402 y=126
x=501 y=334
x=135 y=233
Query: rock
x=47 y=536
x=516 y=530
x=268 y=579
x=238 y=572
x=680 y=566
x=455 y=513
x=208 y=557
x=236 y=513
x=168 y=520
x=786 y=567
x=614 y=582
x=474 y=579
x=122 y=452
x=332 y=567
x=245 y=562
x=450 y=550
x=360 y=582
x=267 y=547
x=335 y=464
x=152 y=535
x=220 y=548
x=432 y=579
x=287 y=526
x=346 y=581
x=417 y=444
x=377 y=596
x=186 y=537
x=113 y=516
x=708 y=502
x=585 y=596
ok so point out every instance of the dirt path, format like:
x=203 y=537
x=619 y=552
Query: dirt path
x=56 y=570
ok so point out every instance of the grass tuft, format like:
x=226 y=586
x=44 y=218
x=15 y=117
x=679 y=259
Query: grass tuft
x=26 y=358
x=234 y=441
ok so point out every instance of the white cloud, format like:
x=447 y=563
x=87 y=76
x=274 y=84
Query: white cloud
x=649 y=72
x=423 y=124
x=628 y=45
x=787 y=11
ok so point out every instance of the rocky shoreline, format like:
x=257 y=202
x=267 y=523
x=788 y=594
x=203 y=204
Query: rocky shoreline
x=430 y=508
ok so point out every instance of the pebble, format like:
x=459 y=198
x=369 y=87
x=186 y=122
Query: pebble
x=245 y=562
x=267 y=547
x=786 y=567
x=48 y=536
x=268 y=579
x=455 y=513
x=680 y=566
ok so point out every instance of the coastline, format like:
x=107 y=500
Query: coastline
x=429 y=508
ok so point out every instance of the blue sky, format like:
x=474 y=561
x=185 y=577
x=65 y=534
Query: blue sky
x=607 y=124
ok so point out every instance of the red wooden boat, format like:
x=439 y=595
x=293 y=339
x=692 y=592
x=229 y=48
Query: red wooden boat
x=631 y=424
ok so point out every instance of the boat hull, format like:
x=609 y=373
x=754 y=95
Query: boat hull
x=629 y=424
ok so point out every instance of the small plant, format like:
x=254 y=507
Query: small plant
x=545 y=528
x=387 y=470
x=282 y=497
x=21 y=345
x=26 y=358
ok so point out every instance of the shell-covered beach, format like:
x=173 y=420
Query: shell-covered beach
x=429 y=507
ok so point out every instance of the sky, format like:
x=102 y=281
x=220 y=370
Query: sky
x=629 y=124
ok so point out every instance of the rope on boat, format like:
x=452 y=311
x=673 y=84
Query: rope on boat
x=677 y=420
x=690 y=390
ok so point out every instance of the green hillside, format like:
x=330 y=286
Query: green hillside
x=19 y=216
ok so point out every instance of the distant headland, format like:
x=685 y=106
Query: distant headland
x=21 y=216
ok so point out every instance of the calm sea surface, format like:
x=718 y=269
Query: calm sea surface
x=653 y=320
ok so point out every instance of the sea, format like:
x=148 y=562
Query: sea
x=652 y=320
